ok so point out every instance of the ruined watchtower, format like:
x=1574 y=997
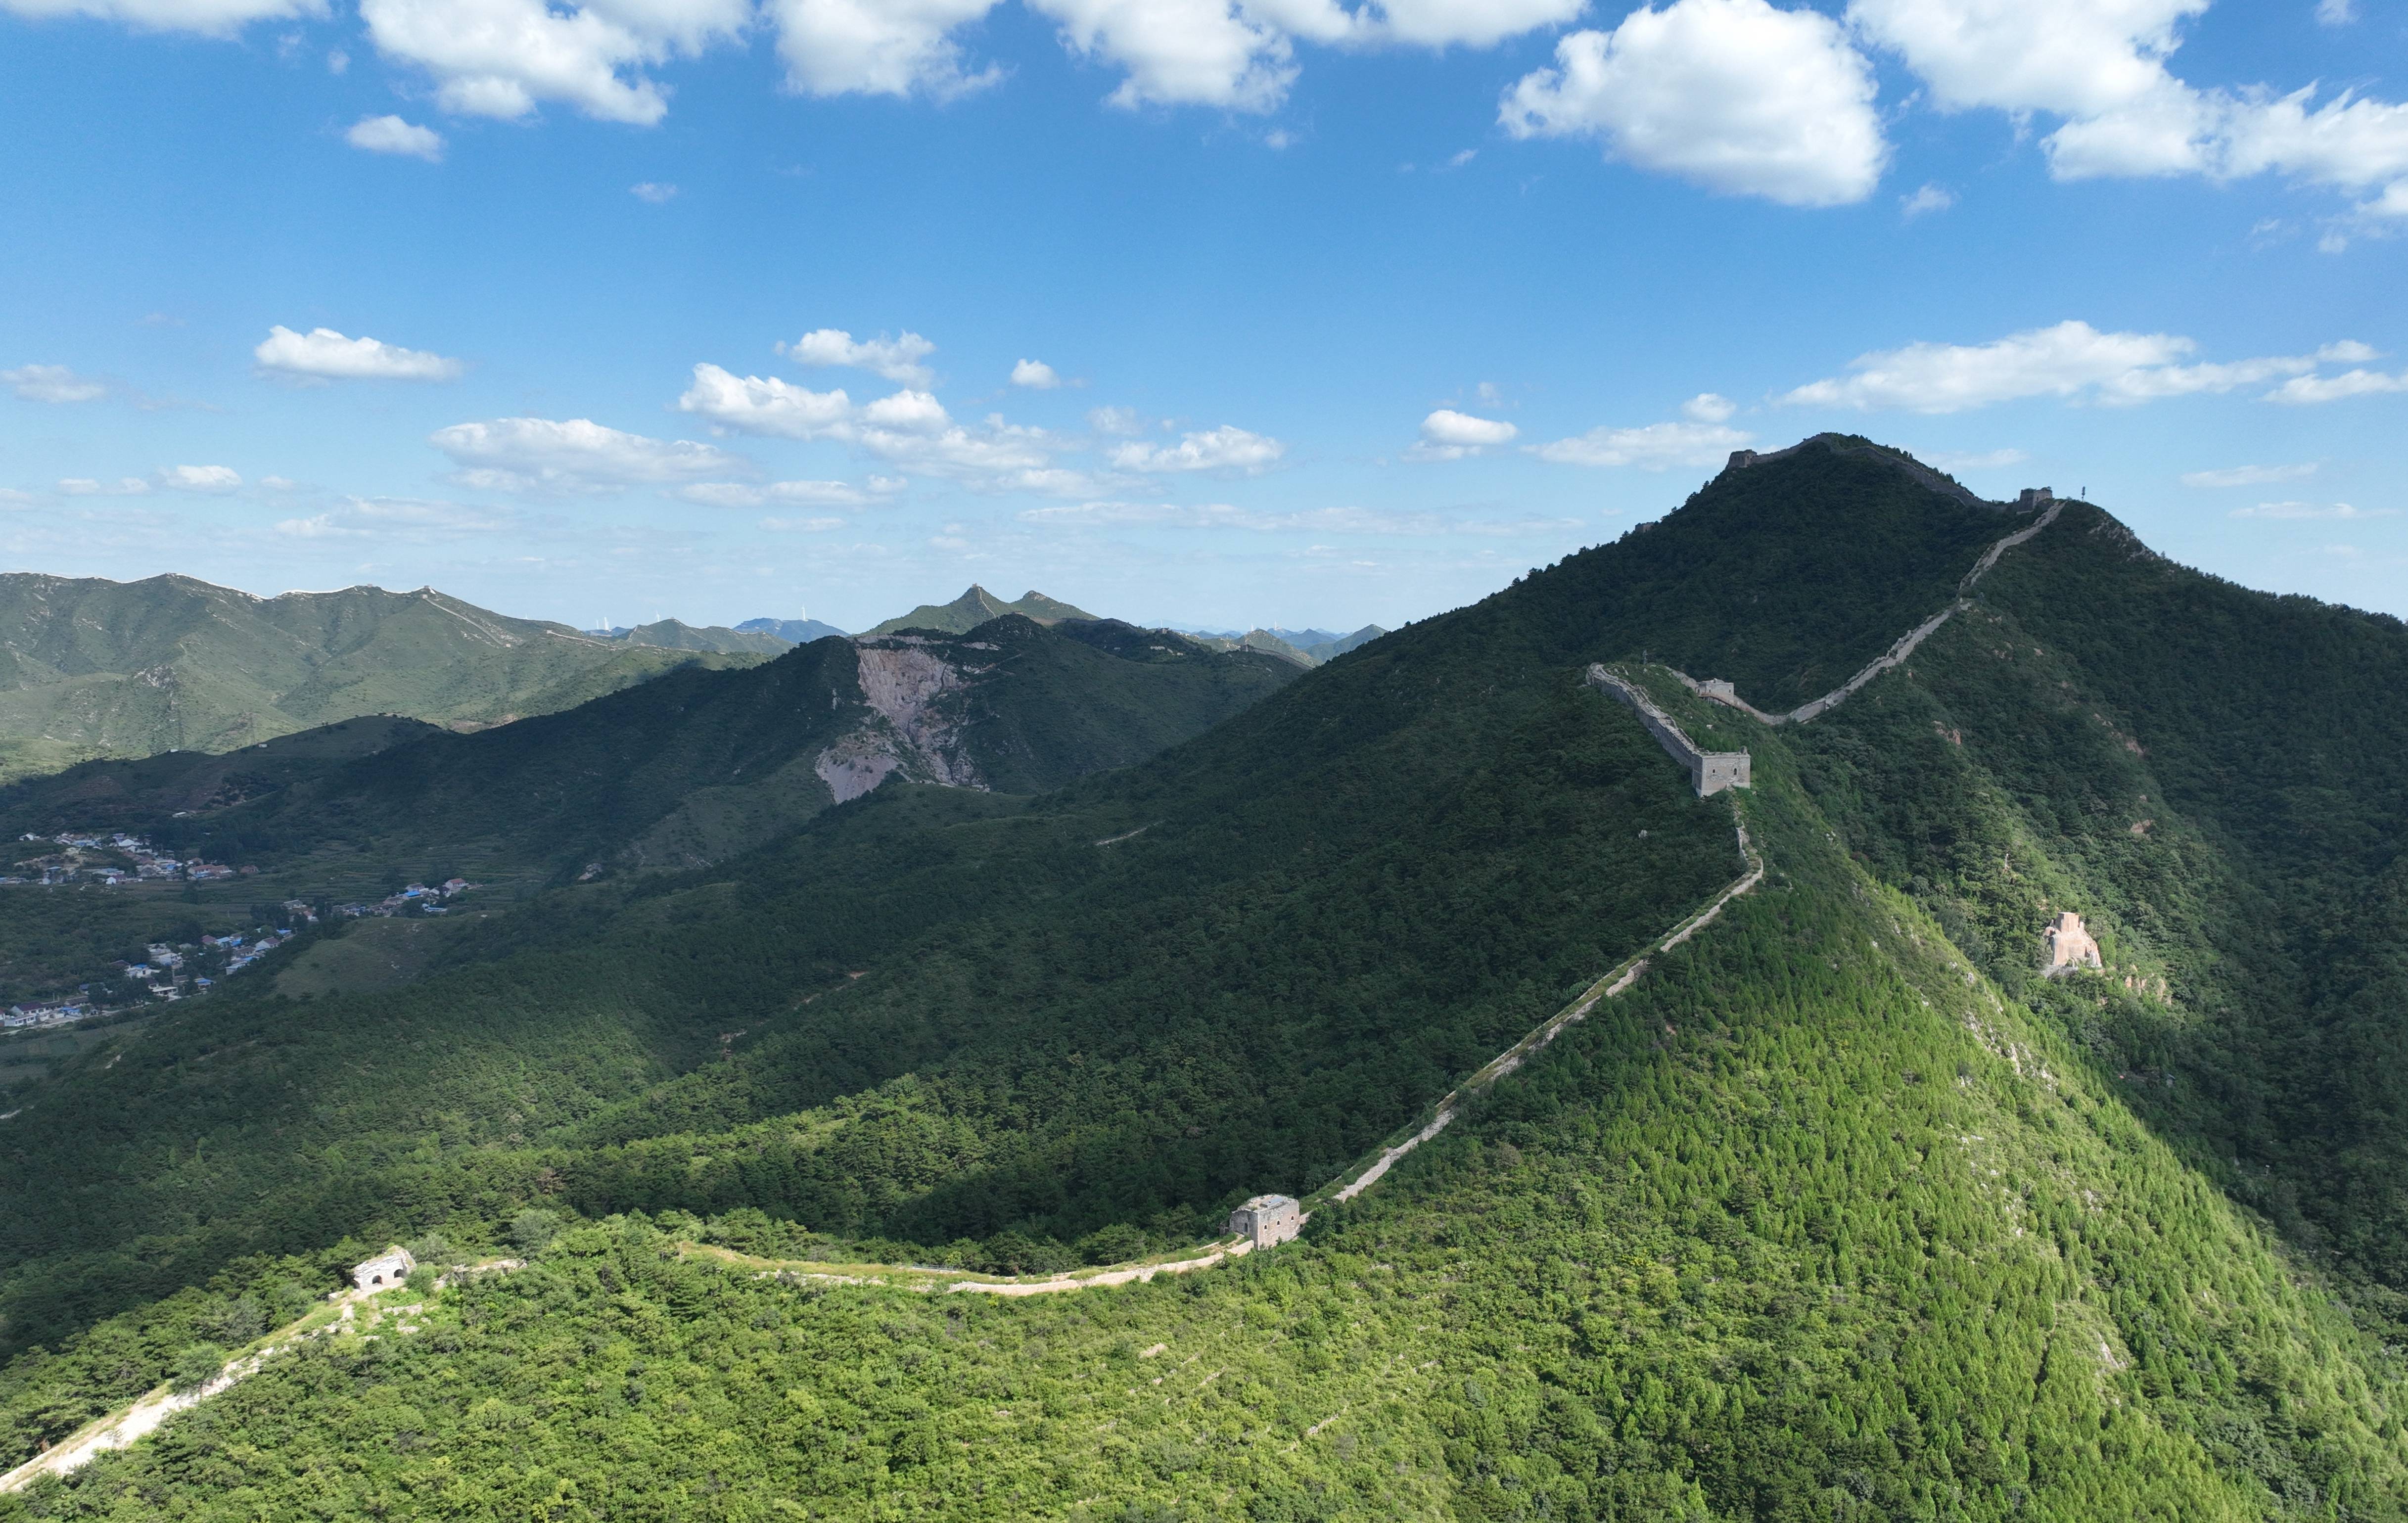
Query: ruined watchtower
x=2035 y=496
x=386 y=1270
x=1266 y=1219
x=2070 y=945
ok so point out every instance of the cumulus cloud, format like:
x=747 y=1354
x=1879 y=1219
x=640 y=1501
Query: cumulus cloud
x=576 y=455
x=2072 y=359
x=2311 y=510
x=2102 y=66
x=764 y=405
x=1708 y=407
x=1449 y=435
x=896 y=359
x=85 y=486
x=210 y=479
x=392 y=135
x=1120 y=423
x=878 y=46
x=52 y=383
x=1733 y=95
x=653 y=192
x=801 y=525
x=1654 y=447
x=211 y=18
x=1035 y=375
x=415 y=520
x=2249 y=475
x=502 y=58
x=1223 y=449
x=323 y=355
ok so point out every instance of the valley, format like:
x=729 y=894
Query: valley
x=1650 y=1172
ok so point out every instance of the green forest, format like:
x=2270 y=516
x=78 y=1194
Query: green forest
x=1840 y=1212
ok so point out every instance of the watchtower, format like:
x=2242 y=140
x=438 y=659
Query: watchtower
x=1268 y=1219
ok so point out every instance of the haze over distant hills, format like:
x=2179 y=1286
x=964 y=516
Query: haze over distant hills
x=90 y=667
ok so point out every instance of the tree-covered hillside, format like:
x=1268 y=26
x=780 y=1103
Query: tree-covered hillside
x=91 y=668
x=1840 y=1212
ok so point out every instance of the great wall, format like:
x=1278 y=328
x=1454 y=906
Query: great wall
x=1710 y=772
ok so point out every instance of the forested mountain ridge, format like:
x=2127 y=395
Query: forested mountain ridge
x=94 y=668
x=695 y=767
x=1840 y=1212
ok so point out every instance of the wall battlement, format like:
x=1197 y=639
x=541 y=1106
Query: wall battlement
x=1710 y=771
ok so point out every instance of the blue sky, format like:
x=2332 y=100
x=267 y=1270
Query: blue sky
x=1277 y=313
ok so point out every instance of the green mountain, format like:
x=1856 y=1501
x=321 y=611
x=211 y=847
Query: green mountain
x=793 y=631
x=91 y=668
x=699 y=766
x=670 y=634
x=1835 y=1208
x=976 y=607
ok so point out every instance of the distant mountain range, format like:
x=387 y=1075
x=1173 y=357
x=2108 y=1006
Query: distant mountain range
x=90 y=668
x=975 y=608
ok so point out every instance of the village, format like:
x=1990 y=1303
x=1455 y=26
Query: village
x=110 y=857
x=183 y=970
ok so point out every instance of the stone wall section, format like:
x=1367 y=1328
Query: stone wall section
x=1721 y=692
x=1710 y=771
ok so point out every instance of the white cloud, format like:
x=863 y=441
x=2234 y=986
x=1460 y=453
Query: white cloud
x=801 y=525
x=878 y=46
x=1733 y=95
x=1183 y=52
x=906 y=411
x=654 y=192
x=2249 y=475
x=1953 y=461
x=211 y=18
x=798 y=494
x=1035 y=375
x=2069 y=360
x=52 y=383
x=392 y=135
x=1449 y=435
x=279 y=483
x=1708 y=407
x=11 y=497
x=502 y=58
x=415 y=520
x=1221 y=449
x=84 y=486
x=2101 y=64
x=2336 y=12
x=2311 y=509
x=1120 y=423
x=1929 y=198
x=543 y=455
x=2305 y=390
x=758 y=405
x=322 y=353
x=896 y=359
x=210 y=478
x=1654 y=447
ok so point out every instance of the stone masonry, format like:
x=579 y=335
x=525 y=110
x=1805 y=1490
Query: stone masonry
x=1710 y=771
x=1268 y=1219
x=2070 y=945
x=389 y=1268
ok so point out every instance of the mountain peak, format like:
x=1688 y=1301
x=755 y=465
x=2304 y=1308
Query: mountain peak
x=976 y=607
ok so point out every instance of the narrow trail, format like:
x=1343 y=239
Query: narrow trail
x=1896 y=656
x=119 y=1429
